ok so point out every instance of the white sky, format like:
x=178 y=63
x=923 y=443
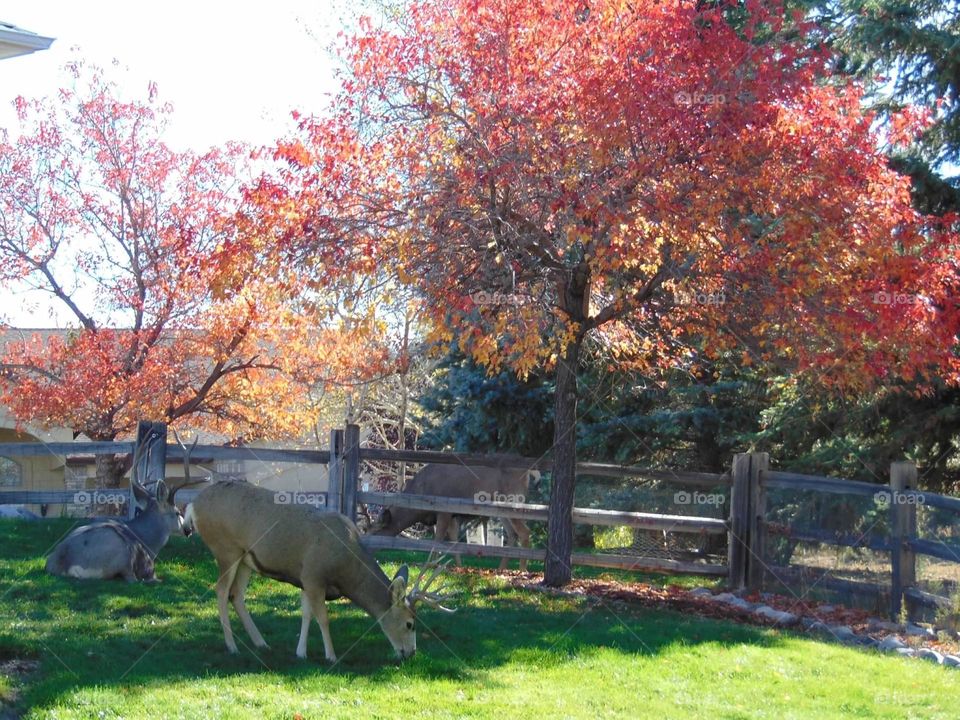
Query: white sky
x=233 y=71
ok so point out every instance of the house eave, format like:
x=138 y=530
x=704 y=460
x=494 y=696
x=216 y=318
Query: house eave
x=15 y=42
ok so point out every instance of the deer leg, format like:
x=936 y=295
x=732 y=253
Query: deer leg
x=315 y=601
x=509 y=538
x=447 y=529
x=522 y=538
x=237 y=592
x=304 y=625
x=227 y=572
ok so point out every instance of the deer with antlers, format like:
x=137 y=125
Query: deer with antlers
x=319 y=552
x=127 y=549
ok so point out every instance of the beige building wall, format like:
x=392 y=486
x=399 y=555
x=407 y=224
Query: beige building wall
x=45 y=472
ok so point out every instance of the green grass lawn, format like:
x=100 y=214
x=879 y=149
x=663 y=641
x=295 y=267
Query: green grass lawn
x=109 y=649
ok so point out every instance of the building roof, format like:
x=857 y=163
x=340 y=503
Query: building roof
x=17 y=41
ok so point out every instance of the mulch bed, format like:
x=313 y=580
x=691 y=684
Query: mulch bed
x=682 y=600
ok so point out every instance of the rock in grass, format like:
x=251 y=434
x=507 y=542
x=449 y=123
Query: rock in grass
x=919 y=631
x=701 y=592
x=878 y=625
x=843 y=633
x=741 y=604
x=931 y=655
x=906 y=651
x=733 y=601
x=891 y=642
x=952 y=661
x=778 y=616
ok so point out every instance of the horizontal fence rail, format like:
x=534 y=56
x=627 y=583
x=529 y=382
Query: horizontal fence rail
x=523 y=511
x=819 y=577
x=928 y=599
x=828 y=537
x=928 y=499
x=40 y=449
x=620 y=562
x=679 y=477
x=796 y=481
x=174 y=452
x=938 y=550
x=122 y=495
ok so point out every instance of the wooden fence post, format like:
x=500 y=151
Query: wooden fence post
x=757 y=557
x=351 y=470
x=737 y=547
x=748 y=503
x=335 y=472
x=903 y=528
x=150 y=451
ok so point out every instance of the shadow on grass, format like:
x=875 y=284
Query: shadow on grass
x=118 y=636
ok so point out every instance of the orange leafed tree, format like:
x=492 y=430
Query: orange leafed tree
x=549 y=174
x=138 y=243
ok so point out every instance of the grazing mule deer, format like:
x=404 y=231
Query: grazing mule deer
x=319 y=552
x=459 y=481
x=108 y=549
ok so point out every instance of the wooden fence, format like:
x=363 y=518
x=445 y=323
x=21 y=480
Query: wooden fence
x=753 y=482
x=747 y=527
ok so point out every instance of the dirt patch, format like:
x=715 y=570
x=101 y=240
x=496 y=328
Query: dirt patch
x=14 y=671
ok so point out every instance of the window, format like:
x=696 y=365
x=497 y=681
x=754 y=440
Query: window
x=75 y=478
x=228 y=469
x=11 y=474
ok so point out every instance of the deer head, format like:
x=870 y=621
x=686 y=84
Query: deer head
x=399 y=622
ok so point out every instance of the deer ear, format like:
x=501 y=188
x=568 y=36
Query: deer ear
x=163 y=492
x=398 y=589
x=140 y=495
x=398 y=586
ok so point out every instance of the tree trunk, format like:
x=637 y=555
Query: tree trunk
x=557 y=570
x=110 y=472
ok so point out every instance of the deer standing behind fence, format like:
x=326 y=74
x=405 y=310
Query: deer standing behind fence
x=319 y=552
x=480 y=484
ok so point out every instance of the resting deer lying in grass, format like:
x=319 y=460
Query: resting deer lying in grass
x=107 y=549
x=127 y=549
x=320 y=553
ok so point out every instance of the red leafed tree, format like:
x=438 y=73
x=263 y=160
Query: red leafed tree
x=643 y=175
x=138 y=242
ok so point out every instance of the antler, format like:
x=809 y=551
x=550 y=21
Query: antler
x=429 y=573
x=186 y=467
